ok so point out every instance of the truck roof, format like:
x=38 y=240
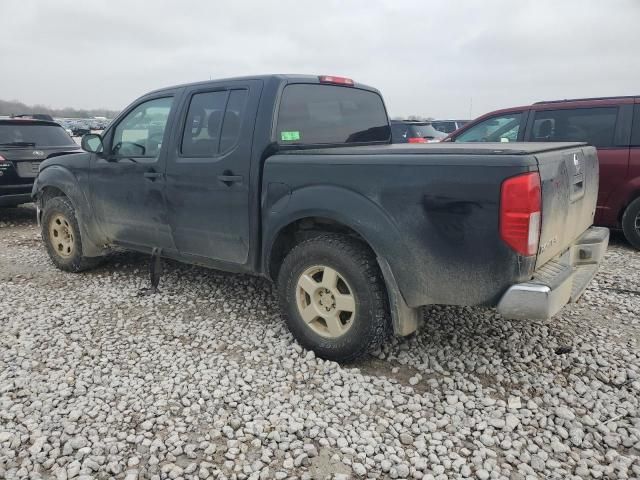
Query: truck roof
x=442 y=148
x=265 y=77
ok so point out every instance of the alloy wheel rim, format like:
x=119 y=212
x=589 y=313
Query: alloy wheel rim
x=325 y=301
x=61 y=236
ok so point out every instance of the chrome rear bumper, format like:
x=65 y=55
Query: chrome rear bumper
x=559 y=281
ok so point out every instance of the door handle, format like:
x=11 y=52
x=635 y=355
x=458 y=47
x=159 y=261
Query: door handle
x=152 y=175
x=229 y=180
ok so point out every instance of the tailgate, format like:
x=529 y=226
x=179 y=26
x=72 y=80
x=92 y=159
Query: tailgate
x=569 y=180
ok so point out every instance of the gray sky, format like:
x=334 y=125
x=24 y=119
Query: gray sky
x=427 y=58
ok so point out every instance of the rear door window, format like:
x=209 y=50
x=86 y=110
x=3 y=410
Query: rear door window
x=233 y=116
x=213 y=122
x=595 y=126
x=327 y=114
x=501 y=128
x=201 y=134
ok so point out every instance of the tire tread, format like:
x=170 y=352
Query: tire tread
x=628 y=220
x=358 y=252
x=78 y=262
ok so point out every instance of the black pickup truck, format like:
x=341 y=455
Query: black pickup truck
x=294 y=178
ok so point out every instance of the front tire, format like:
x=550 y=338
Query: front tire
x=333 y=297
x=61 y=236
x=631 y=223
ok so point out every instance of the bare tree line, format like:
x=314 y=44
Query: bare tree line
x=14 y=107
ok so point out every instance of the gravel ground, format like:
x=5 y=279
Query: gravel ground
x=204 y=381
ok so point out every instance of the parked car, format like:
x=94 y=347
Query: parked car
x=80 y=129
x=64 y=124
x=409 y=131
x=293 y=178
x=610 y=124
x=24 y=144
x=448 y=126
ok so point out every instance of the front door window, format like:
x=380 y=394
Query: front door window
x=140 y=133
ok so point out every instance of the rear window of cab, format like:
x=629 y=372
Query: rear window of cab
x=312 y=114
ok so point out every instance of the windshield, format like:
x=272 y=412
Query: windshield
x=446 y=127
x=425 y=131
x=26 y=134
x=501 y=128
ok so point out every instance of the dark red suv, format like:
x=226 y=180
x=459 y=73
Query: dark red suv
x=610 y=124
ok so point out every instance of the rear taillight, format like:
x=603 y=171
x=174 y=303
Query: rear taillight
x=520 y=210
x=416 y=140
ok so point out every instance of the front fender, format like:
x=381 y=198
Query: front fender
x=63 y=179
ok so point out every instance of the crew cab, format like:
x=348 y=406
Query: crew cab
x=24 y=144
x=611 y=124
x=294 y=178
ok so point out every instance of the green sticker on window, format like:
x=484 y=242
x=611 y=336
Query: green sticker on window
x=290 y=136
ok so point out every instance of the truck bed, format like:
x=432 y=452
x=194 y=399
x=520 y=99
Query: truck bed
x=432 y=211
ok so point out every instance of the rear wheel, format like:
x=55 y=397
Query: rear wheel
x=631 y=223
x=333 y=297
x=61 y=236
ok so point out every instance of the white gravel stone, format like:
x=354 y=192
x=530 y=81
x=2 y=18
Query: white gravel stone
x=359 y=469
x=564 y=413
x=511 y=421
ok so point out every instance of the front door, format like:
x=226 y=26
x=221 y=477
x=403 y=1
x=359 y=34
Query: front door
x=208 y=170
x=127 y=180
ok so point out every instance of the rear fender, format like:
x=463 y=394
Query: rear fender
x=356 y=212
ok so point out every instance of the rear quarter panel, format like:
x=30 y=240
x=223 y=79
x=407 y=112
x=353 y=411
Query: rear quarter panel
x=434 y=218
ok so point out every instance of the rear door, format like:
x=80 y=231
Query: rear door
x=207 y=176
x=603 y=127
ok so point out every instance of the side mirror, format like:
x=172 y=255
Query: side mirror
x=92 y=143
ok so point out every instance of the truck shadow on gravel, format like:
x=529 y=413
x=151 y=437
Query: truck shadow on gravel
x=23 y=215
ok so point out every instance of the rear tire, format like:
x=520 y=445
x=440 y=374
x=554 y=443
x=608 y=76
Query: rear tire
x=61 y=236
x=333 y=297
x=631 y=223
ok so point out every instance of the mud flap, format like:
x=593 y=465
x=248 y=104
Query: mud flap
x=155 y=272
x=405 y=319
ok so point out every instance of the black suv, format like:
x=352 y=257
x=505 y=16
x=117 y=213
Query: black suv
x=24 y=143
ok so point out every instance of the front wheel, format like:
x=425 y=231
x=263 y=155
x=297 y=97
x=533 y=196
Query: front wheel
x=631 y=223
x=61 y=236
x=333 y=297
